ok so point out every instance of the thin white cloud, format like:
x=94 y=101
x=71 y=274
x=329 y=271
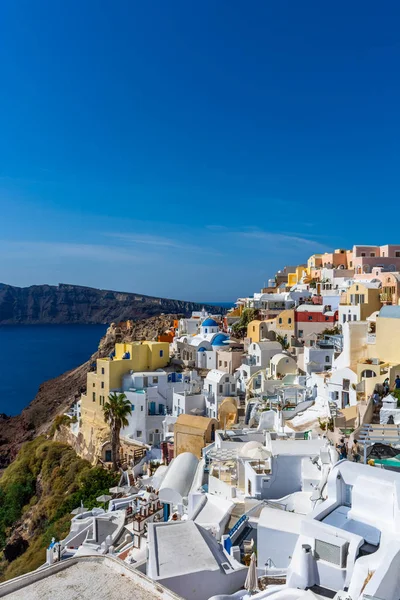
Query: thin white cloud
x=98 y=252
x=165 y=242
x=271 y=236
x=278 y=237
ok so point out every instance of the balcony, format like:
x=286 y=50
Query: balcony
x=250 y=361
x=386 y=298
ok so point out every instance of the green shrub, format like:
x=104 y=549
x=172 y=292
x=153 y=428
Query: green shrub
x=49 y=480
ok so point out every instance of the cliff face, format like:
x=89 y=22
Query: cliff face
x=77 y=304
x=56 y=395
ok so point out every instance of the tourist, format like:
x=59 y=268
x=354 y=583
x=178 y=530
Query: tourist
x=397 y=382
x=386 y=386
x=342 y=449
x=355 y=451
x=376 y=400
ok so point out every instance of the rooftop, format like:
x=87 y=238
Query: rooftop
x=390 y=312
x=197 y=422
x=191 y=549
x=103 y=578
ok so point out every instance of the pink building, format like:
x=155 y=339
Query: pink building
x=365 y=258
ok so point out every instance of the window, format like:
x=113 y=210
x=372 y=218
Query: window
x=301 y=332
x=102 y=385
x=351 y=264
x=220 y=388
x=326 y=318
x=356 y=288
x=138 y=433
x=397 y=254
x=233 y=387
x=161 y=353
x=327 y=359
x=372 y=254
x=354 y=317
x=94 y=385
x=280 y=320
x=310 y=317
x=254 y=327
x=132 y=407
x=346 y=385
x=362 y=253
x=155 y=379
x=94 y=397
x=225 y=364
x=102 y=370
x=344 y=318
x=141 y=408
x=226 y=379
x=220 y=363
x=367 y=374
x=289 y=321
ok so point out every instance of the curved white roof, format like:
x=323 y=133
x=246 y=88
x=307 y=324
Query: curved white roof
x=179 y=478
x=278 y=357
x=250 y=446
x=216 y=375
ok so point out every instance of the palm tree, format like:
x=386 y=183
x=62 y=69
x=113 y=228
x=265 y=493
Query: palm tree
x=283 y=341
x=116 y=412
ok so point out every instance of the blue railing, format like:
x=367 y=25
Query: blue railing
x=236 y=526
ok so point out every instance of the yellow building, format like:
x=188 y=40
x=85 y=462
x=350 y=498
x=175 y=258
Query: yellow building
x=285 y=322
x=133 y=356
x=257 y=330
x=228 y=413
x=302 y=273
x=363 y=299
x=380 y=358
x=387 y=336
x=192 y=434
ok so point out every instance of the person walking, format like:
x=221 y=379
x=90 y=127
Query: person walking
x=355 y=452
x=342 y=449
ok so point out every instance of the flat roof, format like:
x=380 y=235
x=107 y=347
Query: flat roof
x=103 y=578
x=281 y=520
x=181 y=549
x=299 y=447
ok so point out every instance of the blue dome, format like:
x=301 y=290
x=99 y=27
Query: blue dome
x=219 y=340
x=202 y=349
x=209 y=323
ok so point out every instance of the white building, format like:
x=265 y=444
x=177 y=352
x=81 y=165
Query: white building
x=151 y=397
x=188 y=560
x=351 y=541
x=319 y=357
x=188 y=403
x=217 y=386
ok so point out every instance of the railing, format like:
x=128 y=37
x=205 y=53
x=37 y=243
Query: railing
x=385 y=297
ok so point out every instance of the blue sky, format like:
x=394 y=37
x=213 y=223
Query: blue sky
x=190 y=150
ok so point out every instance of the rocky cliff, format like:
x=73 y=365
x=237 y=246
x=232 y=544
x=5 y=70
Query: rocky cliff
x=56 y=395
x=77 y=304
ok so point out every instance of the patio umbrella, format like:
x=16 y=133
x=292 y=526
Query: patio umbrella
x=117 y=490
x=78 y=511
x=251 y=583
x=104 y=498
x=260 y=453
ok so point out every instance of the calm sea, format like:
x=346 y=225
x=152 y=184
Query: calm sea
x=32 y=354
